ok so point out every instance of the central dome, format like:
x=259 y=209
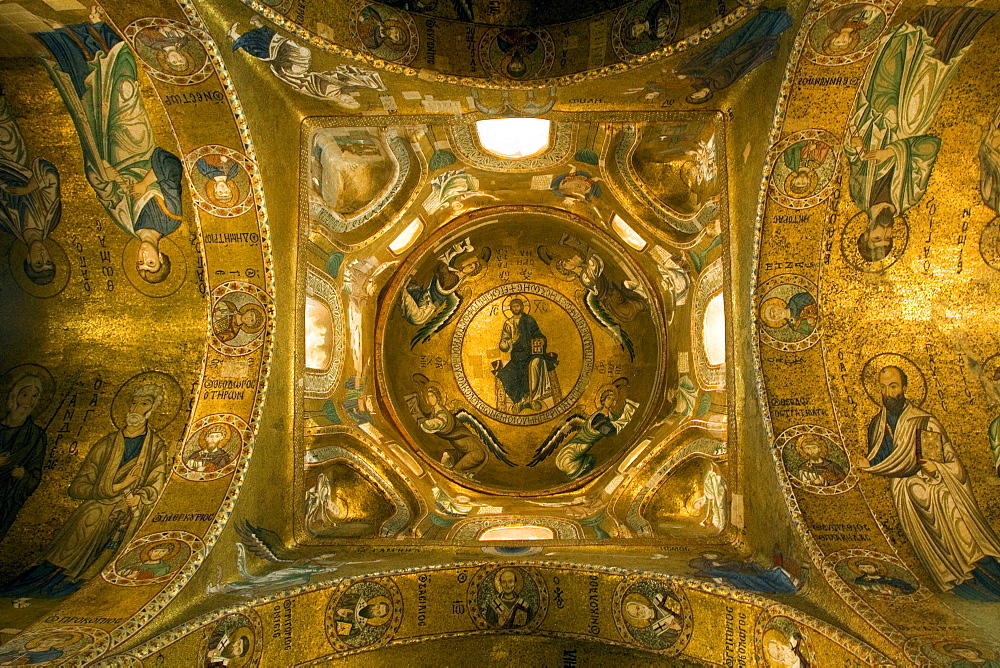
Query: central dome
x=522 y=350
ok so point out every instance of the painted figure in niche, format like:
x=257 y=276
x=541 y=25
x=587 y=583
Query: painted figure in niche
x=873 y=577
x=576 y=185
x=798 y=315
x=377 y=32
x=528 y=377
x=612 y=415
x=888 y=147
x=803 y=159
x=816 y=469
x=30 y=201
x=432 y=307
x=358 y=406
x=452 y=189
x=786 y=650
x=268 y=546
x=220 y=172
x=458 y=506
x=291 y=62
x=229 y=321
x=846 y=24
x=153 y=561
x=608 y=302
x=660 y=617
x=41 y=649
x=468 y=439
x=745 y=574
x=22 y=449
x=137 y=182
x=118 y=483
x=326 y=508
x=212 y=456
x=675 y=273
x=746 y=48
x=713 y=499
x=168 y=43
x=932 y=494
x=970 y=656
x=505 y=607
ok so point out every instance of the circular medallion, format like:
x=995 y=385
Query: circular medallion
x=508 y=597
x=846 y=33
x=874 y=575
x=643 y=27
x=364 y=613
x=234 y=641
x=522 y=349
x=172 y=51
x=814 y=460
x=803 y=168
x=653 y=615
x=872 y=247
x=153 y=559
x=945 y=650
x=505 y=389
x=55 y=646
x=781 y=641
x=221 y=180
x=213 y=448
x=239 y=317
x=517 y=54
x=385 y=32
x=788 y=313
x=41 y=274
x=989 y=244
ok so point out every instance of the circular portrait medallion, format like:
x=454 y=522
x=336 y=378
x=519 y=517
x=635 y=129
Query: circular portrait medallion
x=989 y=244
x=221 y=180
x=944 y=650
x=781 y=642
x=385 y=32
x=643 y=27
x=803 y=168
x=508 y=597
x=153 y=559
x=55 y=646
x=213 y=448
x=40 y=269
x=150 y=396
x=846 y=33
x=239 y=317
x=873 y=246
x=173 y=52
x=788 y=313
x=235 y=641
x=814 y=460
x=364 y=613
x=653 y=614
x=519 y=54
x=512 y=313
x=876 y=575
x=154 y=269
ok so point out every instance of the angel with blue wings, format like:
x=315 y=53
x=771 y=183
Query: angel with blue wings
x=431 y=308
x=468 y=439
x=574 y=458
x=610 y=303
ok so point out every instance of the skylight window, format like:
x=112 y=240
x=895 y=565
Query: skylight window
x=715 y=331
x=514 y=137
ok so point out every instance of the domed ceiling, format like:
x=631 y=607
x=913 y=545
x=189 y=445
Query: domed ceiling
x=303 y=364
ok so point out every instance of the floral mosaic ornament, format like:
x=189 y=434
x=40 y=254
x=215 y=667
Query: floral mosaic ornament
x=653 y=614
x=153 y=559
x=364 y=614
x=221 y=180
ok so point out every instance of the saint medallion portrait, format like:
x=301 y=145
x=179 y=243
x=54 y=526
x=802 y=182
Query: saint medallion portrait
x=507 y=597
x=364 y=614
x=172 y=51
x=54 y=646
x=213 y=448
x=239 y=317
x=652 y=614
x=221 y=178
x=788 y=313
x=153 y=558
x=804 y=166
x=234 y=641
x=846 y=33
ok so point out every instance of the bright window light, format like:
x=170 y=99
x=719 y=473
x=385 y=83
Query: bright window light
x=518 y=532
x=514 y=137
x=406 y=237
x=627 y=233
x=714 y=331
x=319 y=335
